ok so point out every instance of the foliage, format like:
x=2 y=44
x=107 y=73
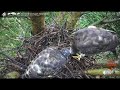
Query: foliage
x=85 y=20
x=13 y=30
x=92 y=17
x=89 y=18
x=12 y=75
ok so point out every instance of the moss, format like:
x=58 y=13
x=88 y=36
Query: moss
x=13 y=74
x=102 y=72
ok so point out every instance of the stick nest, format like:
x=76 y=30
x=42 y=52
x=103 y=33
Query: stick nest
x=50 y=37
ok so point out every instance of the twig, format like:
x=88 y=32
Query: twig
x=69 y=71
x=22 y=67
x=98 y=22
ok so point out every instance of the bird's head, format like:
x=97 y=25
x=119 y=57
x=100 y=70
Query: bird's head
x=68 y=51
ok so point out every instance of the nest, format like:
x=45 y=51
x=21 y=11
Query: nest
x=75 y=69
x=51 y=37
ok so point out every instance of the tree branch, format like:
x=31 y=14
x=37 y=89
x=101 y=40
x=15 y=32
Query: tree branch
x=112 y=20
x=104 y=21
x=98 y=22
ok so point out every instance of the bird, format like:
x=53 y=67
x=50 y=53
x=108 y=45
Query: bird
x=93 y=40
x=47 y=63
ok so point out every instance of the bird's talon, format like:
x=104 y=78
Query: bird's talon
x=78 y=56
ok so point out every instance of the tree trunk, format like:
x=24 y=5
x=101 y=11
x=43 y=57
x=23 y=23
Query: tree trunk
x=72 y=20
x=38 y=23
